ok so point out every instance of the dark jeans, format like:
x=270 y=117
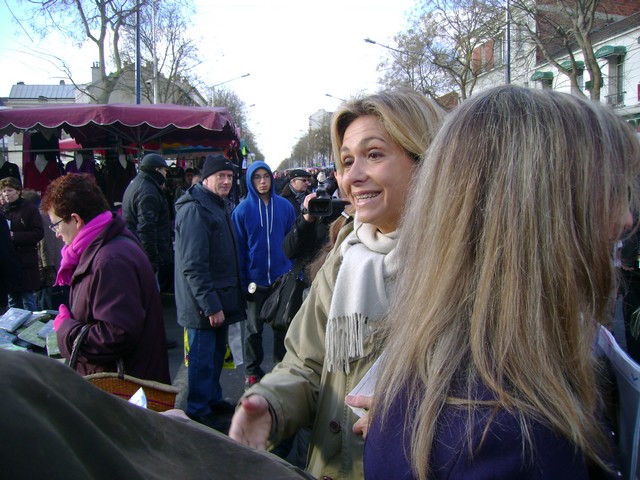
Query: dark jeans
x=254 y=350
x=207 y=348
x=23 y=300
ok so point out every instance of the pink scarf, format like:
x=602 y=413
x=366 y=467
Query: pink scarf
x=71 y=253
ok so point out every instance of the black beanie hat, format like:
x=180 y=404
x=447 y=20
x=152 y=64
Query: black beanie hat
x=153 y=161
x=215 y=163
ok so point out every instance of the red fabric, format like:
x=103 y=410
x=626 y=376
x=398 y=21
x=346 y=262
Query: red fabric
x=39 y=181
x=97 y=125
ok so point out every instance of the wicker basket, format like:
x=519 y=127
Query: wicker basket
x=160 y=397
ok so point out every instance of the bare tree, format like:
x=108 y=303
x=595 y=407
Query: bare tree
x=102 y=22
x=222 y=97
x=314 y=147
x=564 y=28
x=436 y=55
x=168 y=54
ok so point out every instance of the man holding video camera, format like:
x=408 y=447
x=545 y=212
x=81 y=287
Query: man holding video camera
x=297 y=188
x=311 y=230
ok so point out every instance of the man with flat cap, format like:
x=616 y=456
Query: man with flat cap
x=146 y=212
x=209 y=294
x=297 y=189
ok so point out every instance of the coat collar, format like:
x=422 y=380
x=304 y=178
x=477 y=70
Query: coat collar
x=115 y=228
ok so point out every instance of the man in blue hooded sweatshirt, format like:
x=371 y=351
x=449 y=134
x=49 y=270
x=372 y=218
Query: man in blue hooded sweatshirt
x=262 y=220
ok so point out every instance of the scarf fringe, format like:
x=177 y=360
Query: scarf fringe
x=345 y=341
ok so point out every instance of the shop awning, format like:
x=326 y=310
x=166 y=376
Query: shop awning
x=541 y=76
x=567 y=65
x=149 y=126
x=610 y=51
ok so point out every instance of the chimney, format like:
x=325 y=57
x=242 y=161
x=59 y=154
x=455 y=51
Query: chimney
x=95 y=72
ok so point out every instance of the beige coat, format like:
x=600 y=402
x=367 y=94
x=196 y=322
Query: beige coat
x=302 y=393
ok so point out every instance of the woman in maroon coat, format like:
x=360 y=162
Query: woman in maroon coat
x=113 y=287
x=26 y=231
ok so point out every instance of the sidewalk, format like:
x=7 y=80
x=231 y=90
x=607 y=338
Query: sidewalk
x=232 y=380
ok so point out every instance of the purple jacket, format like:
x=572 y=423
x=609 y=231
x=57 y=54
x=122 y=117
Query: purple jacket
x=386 y=452
x=114 y=288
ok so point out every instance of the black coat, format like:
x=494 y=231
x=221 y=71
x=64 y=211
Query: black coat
x=10 y=270
x=207 y=268
x=146 y=213
x=27 y=231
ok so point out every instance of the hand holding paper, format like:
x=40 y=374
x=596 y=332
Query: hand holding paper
x=360 y=404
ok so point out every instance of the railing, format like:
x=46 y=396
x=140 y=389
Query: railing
x=616 y=99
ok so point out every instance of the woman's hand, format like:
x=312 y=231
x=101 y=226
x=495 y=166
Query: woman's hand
x=361 y=427
x=251 y=424
x=63 y=315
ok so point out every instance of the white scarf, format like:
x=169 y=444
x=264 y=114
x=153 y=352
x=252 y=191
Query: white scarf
x=361 y=293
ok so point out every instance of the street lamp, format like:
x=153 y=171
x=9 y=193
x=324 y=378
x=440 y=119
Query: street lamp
x=373 y=42
x=337 y=98
x=230 y=80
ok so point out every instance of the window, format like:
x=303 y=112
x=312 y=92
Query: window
x=615 y=81
x=498 y=51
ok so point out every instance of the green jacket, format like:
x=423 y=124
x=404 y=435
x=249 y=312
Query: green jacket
x=302 y=393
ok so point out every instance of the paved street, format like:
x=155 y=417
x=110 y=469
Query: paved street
x=232 y=379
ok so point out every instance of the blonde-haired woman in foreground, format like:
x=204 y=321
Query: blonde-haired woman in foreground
x=505 y=271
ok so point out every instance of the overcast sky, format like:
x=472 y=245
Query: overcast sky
x=296 y=51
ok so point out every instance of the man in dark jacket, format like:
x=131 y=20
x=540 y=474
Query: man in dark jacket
x=146 y=212
x=208 y=287
x=297 y=189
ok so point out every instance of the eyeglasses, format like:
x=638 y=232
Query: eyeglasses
x=305 y=180
x=55 y=226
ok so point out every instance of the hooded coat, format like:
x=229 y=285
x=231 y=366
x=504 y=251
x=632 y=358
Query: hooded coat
x=207 y=270
x=261 y=229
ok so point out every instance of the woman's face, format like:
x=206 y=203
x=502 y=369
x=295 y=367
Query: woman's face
x=621 y=224
x=377 y=173
x=10 y=195
x=67 y=231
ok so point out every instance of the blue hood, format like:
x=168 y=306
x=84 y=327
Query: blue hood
x=251 y=190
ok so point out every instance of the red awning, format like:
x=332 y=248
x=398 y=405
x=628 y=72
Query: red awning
x=150 y=126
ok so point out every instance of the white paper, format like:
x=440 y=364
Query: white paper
x=139 y=398
x=366 y=387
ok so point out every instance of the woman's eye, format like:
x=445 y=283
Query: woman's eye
x=347 y=162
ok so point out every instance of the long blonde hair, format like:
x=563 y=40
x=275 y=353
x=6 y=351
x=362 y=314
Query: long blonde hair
x=505 y=261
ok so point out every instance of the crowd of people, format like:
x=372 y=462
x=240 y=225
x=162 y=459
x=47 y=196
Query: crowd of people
x=466 y=272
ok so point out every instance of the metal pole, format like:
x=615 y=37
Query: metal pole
x=507 y=72
x=155 y=59
x=138 y=52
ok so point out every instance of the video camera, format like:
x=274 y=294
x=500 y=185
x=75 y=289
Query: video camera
x=324 y=205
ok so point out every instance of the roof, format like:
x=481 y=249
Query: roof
x=22 y=91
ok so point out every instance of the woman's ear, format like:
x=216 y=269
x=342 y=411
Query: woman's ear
x=79 y=221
